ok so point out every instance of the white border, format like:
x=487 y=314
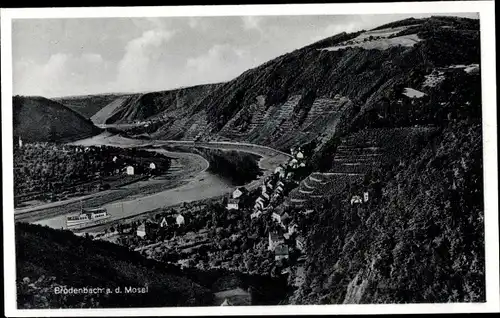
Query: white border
x=487 y=20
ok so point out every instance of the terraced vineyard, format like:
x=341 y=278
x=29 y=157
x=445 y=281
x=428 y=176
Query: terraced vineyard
x=277 y=126
x=357 y=155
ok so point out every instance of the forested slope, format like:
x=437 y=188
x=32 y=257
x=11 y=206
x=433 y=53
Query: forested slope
x=42 y=119
x=420 y=240
x=48 y=258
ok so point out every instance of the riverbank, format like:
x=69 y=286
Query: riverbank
x=192 y=184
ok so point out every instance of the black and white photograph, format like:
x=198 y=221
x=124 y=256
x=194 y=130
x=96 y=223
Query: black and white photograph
x=262 y=156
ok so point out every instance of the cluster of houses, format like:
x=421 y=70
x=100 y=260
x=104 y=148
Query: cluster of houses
x=285 y=235
x=282 y=239
x=272 y=190
x=142 y=229
x=274 y=186
x=357 y=199
x=287 y=232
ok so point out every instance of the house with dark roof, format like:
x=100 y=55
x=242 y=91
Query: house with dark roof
x=275 y=238
x=233 y=204
x=281 y=252
x=281 y=217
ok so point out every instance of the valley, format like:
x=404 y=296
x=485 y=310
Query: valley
x=365 y=184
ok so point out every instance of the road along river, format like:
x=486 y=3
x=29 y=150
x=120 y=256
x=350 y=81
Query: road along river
x=194 y=182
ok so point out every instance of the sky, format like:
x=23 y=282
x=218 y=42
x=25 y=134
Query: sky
x=79 y=56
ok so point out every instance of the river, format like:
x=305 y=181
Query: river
x=198 y=184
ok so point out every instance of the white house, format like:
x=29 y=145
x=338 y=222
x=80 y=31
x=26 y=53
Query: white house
x=152 y=166
x=232 y=204
x=299 y=155
x=20 y=142
x=275 y=239
x=163 y=222
x=365 y=196
x=237 y=193
x=115 y=158
x=179 y=220
x=141 y=230
x=130 y=170
x=356 y=199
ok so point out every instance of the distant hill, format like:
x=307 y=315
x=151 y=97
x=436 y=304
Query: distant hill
x=42 y=119
x=315 y=92
x=88 y=105
x=129 y=108
x=101 y=116
x=48 y=258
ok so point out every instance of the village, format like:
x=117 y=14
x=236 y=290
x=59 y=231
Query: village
x=254 y=232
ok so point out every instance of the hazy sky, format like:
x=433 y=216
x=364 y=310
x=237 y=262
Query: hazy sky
x=62 y=57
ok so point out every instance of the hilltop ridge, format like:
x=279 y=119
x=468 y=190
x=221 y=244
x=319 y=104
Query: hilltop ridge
x=37 y=118
x=326 y=84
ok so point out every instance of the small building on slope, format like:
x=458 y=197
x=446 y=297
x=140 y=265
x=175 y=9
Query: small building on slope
x=141 y=230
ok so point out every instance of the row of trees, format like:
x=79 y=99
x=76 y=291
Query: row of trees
x=237 y=167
